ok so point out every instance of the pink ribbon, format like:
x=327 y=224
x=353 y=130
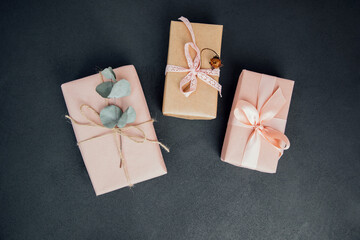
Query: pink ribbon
x=194 y=67
x=249 y=116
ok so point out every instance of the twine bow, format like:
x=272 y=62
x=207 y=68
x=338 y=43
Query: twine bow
x=194 y=67
x=248 y=116
x=116 y=132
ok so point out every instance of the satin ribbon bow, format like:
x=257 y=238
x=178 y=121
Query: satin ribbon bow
x=194 y=67
x=248 y=116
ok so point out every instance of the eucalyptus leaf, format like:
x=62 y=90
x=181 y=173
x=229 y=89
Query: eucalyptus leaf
x=109 y=73
x=104 y=89
x=120 y=89
x=128 y=116
x=131 y=114
x=110 y=116
x=122 y=121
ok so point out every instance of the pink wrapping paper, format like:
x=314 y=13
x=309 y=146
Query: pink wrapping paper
x=100 y=155
x=236 y=137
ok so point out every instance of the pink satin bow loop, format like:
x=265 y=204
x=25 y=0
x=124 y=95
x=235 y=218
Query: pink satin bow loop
x=194 y=67
x=249 y=116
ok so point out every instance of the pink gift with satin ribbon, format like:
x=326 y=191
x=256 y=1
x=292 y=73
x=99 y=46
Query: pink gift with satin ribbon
x=255 y=134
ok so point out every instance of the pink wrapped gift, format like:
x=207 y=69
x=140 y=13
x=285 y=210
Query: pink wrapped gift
x=255 y=134
x=142 y=160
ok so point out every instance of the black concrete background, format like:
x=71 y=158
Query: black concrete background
x=45 y=191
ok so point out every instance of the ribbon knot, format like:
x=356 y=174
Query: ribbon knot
x=248 y=116
x=188 y=84
x=194 y=71
x=259 y=127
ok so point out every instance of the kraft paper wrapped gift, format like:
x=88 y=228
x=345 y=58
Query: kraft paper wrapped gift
x=255 y=133
x=100 y=154
x=201 y=103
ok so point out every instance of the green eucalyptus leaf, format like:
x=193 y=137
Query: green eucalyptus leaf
x=120 y=89
x=109 y=73
x=131 y=114
x=122 y=121
x=113 y=73
x=110 y=116
x=104 y=89
x=128 y=116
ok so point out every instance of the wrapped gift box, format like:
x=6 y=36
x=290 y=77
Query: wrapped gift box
x=202 y=104
x=143 y=160
x=269 y=95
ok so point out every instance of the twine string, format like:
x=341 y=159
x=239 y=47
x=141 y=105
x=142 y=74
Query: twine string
x=116 y=131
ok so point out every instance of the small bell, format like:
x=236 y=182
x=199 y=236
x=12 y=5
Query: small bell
x=215 y=62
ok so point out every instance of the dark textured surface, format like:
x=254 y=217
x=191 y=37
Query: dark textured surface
x=45 y=191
